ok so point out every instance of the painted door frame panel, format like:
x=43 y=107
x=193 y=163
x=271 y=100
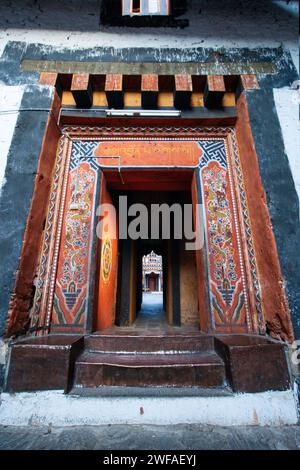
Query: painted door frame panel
x=53 y=231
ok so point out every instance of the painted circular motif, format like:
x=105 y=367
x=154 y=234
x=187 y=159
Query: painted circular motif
x=106 y=260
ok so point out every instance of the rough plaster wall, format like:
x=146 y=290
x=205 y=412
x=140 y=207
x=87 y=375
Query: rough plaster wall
x=188 y=288
x=287 y=105
x=10 y=100
x=247 y=24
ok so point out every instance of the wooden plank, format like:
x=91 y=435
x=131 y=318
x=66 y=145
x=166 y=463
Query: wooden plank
x=48 y=78
x=214 y=91
x=51 y=79
x=81 y=88
x=215 y=83
x=183 y=91
x=114 y=90
x=183 y=83
x=246 y=82
x=138 y=68
x=249 y=82
x=149 y=88
x=114 y=82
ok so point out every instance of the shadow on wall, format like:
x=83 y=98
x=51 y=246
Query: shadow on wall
x=276 y=20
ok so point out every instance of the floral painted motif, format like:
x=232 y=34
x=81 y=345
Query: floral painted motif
x=220 y=231
x=225 y=260
x=227 y=295
x=71 y=281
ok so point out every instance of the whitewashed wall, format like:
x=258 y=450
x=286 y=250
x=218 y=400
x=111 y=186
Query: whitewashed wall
x=10 y=101
x=219 y=23
x=287 y=105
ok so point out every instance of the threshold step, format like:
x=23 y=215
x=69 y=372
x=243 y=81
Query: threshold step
x=133 y=370
x=149 y=343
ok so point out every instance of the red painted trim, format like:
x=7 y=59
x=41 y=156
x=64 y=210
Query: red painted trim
x=18 y=313
x=274 y=300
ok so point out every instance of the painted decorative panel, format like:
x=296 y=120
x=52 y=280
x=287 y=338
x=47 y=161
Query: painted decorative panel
x=227 y=292
x=62 y=295
x=71 y=283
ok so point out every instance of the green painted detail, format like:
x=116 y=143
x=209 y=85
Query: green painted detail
x=58 y=310
x=81 y=311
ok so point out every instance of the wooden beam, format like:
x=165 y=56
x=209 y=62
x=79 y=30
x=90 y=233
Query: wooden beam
x=214 y=91
x=183 y=91
x=51 y=79
x=114 y=90
x=249 y=82
x=81 y=88
x=246 y=82
x=48 y=78
x=149 y=90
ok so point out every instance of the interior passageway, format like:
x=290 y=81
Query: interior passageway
x=152 y=314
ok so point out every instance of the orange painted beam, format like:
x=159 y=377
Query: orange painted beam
x=81 y=89
x=48 y=78
x=150 y=82
x=246 y=82
x=183 y=91
x=183 y=83
x=249 y=82
x=114 y=82
x=214 y=91
x=216 y=83
x=80 y=82
x=51 y=79
x=114 y=90
x=149 y=88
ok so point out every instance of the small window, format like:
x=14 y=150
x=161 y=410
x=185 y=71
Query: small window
x=136 y=6
x=154 y=6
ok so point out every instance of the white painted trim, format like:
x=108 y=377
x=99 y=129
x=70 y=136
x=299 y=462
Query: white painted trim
x=42 y=408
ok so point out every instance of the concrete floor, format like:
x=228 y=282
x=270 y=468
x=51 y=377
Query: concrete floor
x=125 y=437
x=151 y=314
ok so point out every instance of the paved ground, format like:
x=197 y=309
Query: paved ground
x=152 y=314
x=123 y=437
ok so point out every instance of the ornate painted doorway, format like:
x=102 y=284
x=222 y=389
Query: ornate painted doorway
x=78 y=276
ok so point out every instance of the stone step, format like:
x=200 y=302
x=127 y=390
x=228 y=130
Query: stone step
x=203 y=369
x=150 y=343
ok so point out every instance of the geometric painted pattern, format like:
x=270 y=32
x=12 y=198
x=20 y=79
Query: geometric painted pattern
x=83 y=151
x=213 y=150
x=257 y=316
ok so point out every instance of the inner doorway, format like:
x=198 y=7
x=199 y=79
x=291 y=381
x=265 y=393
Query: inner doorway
x=156 y=296
x=152 y=312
